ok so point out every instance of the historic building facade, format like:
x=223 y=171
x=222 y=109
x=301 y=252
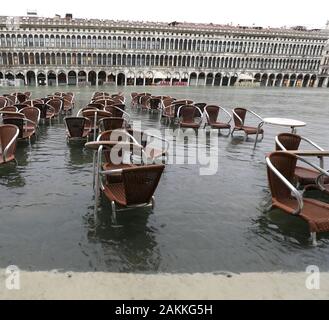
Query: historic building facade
x=59 y=51
x=324 y=68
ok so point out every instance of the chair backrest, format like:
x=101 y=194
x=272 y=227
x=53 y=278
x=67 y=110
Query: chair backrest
x=155 y=103
x=188 y=113
x=167 y=102
x=7 y=134
x=241 y=112
x=12 y=98
x=141 y=182
x=21 y=97
x=289 y=140
x=56 y=104
x=3 y=102
x=31 y=113
x=9 y=108
x=18 y=122
x=200 y=105
x=75 y=126
x=213 y=112
x=112 y=123
x=285 y=163
x=96 y=105
x=115 y=111
x=43 y=109
x=27 y=94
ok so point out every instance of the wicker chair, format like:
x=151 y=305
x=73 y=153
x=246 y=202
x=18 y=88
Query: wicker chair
x=57 y=105
x=47 y=112
x=290 y=141
x=239 y=116
x=77 y=128
x=136 y=189
x=281 y=168
x=189 y=116
x=8 y=140
x=212 y=113
x=112 y=123
x=26 y=130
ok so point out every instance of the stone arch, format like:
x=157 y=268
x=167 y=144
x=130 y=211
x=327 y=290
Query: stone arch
x=62 y=78
x=209 y=79
x=101 y=77
x=41 y=78
x=31 y=78
x=72 y=78
x=121 y=78
x=52 y=78
x=92 y=78
x=217 y=81
x=193 y=79
x=201 y=79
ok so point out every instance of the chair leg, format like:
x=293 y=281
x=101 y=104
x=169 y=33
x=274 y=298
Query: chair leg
x=313 y=239
x=114 y=214
x=153 y=202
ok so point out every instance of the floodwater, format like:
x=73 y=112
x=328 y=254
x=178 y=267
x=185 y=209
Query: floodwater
x=200 y=223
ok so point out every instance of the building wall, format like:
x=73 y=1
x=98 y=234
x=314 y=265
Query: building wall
x=59 y=51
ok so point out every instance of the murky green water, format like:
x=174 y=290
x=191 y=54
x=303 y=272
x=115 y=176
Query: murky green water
x=200 y=223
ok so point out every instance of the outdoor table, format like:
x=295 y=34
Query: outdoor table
x=311 y=153
x=283 y=122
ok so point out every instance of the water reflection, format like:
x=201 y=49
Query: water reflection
x=130 y=244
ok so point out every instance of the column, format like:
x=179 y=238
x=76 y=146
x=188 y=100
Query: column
x=221 y=81
x=213 y=80
x=281 y=82
x=46 y=79
x=97 y=79
x=266 y=83
x=144 y=80
x=325 y=83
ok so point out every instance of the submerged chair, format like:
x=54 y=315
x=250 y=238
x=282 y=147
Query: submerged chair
x=9 y=108
x=136 y=189
x=57 y=105
x=47 y=112
x=239 y=116
x=189 y=116
x=8 y=141
x=77 y=128
x=290 y=141
x=112 y=123
x=212 y=113
x=127 y=187
x=26 y=128
x=281 y=168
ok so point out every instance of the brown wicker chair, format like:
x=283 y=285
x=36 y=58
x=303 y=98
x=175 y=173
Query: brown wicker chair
x=95 y=115
x=9 y=108
x=47 y=112
x=3 y=102
x=154 y=104
x=77 y=128
x=112 y=123
x=136 y=189
x=212 y=113
x=239 y=116
x=8 y=140
x=189 y=116
x=134 y=99
x=33 y=116
x=281 y=168
x=290 y=141
x=57 y=105
x=26 y=130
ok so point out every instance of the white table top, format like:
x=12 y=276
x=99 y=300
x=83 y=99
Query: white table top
x=284 y=122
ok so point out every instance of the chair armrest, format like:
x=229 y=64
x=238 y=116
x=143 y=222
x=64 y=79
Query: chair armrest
x=293 y=190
